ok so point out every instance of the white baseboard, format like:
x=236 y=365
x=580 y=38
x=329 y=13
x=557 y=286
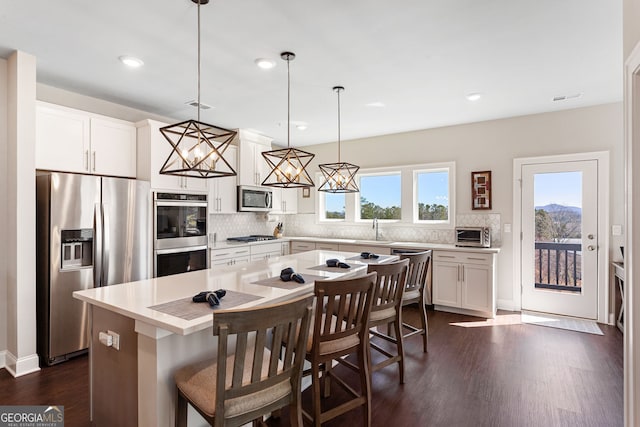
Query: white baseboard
x=508 y=305
x=3 y=358
x=22 y=366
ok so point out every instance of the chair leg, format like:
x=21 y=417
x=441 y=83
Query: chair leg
x=365 y=381
x=315 y=382
x=399 y=344
x=425 y=325
x=181 y=411
x=295 y=412
x=326 y=379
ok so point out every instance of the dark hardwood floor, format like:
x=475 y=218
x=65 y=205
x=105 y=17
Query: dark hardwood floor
x=477 y=373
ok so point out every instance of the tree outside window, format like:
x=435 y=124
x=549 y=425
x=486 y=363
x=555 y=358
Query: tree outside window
x=380 y=196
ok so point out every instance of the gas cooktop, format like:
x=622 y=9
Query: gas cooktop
x=251 y=238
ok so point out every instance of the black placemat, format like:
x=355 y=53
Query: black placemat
x=186 y=309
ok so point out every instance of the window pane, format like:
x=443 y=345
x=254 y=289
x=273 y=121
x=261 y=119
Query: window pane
x=334 y=205
x=380 y=196
x=433 y=196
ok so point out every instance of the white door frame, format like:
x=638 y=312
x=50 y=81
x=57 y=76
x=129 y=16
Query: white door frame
x=632 y=240
x=603 y=223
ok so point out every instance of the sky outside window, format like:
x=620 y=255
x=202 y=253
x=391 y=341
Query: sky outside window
x=334 y=205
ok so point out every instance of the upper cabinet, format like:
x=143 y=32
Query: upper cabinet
x=153 y=151
x=285 y=201
x=222 y=191
x=253 y=169
x=71 y=140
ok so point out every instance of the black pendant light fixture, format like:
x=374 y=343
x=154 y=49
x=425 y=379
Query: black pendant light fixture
x=339 y=177
x=288 y=165
x=197 y=147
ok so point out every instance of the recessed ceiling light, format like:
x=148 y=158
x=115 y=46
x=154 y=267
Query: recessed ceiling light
x=301 y=127
x=474 y=96
x=194 y=102
x=376 y=104
x=131 y=61
x=265 y=64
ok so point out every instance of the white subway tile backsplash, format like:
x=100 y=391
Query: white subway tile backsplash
x=242 y=224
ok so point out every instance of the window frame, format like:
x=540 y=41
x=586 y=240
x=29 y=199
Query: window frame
x=408 y=201
x=448 y=167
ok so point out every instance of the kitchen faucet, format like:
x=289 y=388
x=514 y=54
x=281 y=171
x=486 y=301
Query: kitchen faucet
x=375 y=225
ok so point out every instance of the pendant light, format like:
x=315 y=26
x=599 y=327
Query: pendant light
x=339 y=177
x=197 y=147
x=288 y=165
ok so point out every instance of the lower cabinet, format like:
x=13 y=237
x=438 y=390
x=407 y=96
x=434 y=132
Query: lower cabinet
x=464 y=282
x=230 y=256
x=266 y=251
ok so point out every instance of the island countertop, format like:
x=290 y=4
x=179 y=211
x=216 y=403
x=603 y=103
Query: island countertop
x=134 y=299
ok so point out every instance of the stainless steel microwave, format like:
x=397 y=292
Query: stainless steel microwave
x=254 y=199
x=479 y=237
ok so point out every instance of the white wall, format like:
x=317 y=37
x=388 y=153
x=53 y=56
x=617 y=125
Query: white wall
x=3 y=209
x=492 y=145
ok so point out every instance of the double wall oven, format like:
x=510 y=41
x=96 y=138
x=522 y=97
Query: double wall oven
x=180 y=233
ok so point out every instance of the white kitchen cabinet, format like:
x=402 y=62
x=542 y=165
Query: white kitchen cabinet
x=464 y=281
x=253 y=167
x=265 y=251
x=285 y=200
x=70 y=140
x=230 y=256
x=153 y=151
x=222 y=191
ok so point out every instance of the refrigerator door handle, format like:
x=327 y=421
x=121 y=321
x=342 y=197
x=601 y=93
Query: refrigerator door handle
x=97 y=245
x=105 y=246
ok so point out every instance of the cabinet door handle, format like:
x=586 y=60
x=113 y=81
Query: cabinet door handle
x=462 y=270
x=476 y=259
x=86 y=160
x=94 y=161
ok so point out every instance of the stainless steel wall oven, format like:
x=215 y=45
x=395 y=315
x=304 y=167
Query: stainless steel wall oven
x=180 y=233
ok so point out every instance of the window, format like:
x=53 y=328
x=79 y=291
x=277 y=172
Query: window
x=334 y=206
x=380 y=196
x=432 y=195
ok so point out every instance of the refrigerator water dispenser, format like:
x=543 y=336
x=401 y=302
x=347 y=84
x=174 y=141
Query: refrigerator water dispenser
x=77 y=249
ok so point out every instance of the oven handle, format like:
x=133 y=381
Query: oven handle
x=178 y=250
x=180 y=203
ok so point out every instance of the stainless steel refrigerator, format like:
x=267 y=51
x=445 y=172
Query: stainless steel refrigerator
x=91 y=231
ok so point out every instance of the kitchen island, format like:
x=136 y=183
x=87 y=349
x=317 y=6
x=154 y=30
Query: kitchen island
x=132 y=379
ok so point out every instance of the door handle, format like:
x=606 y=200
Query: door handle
x=591 y=248
x=106 y=243
x=94 y=161
x=97 y=244
x=590 y=237
x=86 y=159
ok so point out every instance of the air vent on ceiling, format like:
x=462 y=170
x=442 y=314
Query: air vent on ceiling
x=194 y=103
x=565 y=97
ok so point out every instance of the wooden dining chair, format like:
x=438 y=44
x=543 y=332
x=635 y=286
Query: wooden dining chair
x=255 y=371
x=416 y=290
x=386 y=310
x=340 y=329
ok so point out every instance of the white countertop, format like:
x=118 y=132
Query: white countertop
x=394 y=244
x=134 y=299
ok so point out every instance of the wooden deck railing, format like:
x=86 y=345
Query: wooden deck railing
x=558 y=266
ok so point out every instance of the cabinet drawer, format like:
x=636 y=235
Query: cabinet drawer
x=302 y=246
x=327 y=246
x=267 y=248
x=220 y=254
x=463 y=257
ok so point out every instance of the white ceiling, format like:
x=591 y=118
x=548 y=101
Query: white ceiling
x=418 y=57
